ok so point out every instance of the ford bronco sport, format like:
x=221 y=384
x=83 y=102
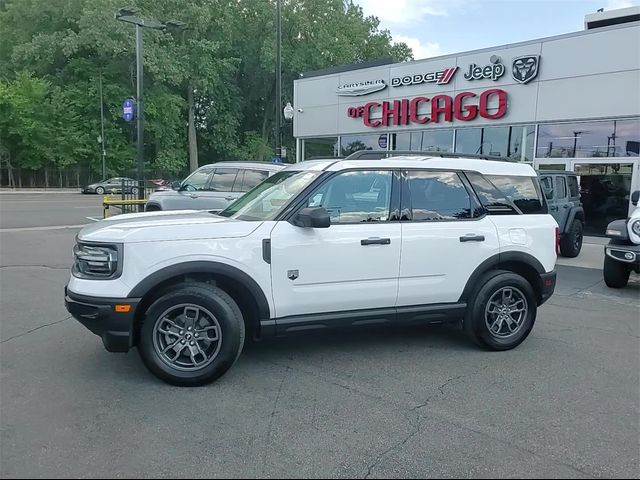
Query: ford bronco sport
x=321 y=244
x=622 y=254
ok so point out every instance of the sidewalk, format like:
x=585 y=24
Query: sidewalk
x=30 y=191
x=591 y=256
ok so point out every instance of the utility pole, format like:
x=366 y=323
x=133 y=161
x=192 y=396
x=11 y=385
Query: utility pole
x=140 y=112
x=278 y=79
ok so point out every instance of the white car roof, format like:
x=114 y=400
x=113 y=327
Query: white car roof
x=487 y=167
x=256 y=165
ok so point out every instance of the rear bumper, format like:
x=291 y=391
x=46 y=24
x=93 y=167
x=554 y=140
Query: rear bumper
x=548 y=285
x=100 y=317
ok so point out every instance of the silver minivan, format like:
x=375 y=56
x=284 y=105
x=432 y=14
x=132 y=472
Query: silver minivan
x=212 y=187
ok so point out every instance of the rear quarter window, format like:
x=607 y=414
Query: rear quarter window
x=524 y=192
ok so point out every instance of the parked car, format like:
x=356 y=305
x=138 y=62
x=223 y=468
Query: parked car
x=562 y=192
x=317 y=245
x=622 y=253
x=113 y=185
x=212 y=187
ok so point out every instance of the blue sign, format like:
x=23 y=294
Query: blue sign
x=382 y=141
x=128 y=107
x=276 y=160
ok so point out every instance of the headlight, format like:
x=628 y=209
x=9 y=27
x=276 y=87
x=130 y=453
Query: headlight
x=97 y=262
x=635 y=227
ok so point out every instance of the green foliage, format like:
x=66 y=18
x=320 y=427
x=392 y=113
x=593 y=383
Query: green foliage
x=53 y=53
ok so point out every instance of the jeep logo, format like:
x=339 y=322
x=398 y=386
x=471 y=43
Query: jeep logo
x=493 y=71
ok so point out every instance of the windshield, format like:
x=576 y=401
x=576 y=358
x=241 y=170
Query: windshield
x=270 y=197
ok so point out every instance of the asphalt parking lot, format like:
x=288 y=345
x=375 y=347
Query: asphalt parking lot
x=419 y=402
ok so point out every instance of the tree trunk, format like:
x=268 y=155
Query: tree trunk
x=193 y=141
x=46 y=177
x=19 y=178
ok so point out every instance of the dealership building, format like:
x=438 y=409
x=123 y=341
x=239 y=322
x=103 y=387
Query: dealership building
x=569 y=102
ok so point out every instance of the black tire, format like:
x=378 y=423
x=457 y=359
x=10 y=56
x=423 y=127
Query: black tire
x=100 y=191
x=477 y=317
x=571 y=242
x=152 y=208
x=224 y=352
x=616 y=274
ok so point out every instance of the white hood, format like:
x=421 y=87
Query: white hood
x=167 y=225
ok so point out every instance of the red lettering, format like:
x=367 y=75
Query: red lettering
x=459 y=109
x=437 y=108
x=394 y=112
x=404 y=117
x=367 y=114
x=484 y=103
x=413 y=110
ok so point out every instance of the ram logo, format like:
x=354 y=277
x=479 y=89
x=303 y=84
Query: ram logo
x=525 y=68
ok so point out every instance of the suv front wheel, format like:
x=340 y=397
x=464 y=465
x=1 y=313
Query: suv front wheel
x=616 y=274
x=502 y=311
x=192 y=334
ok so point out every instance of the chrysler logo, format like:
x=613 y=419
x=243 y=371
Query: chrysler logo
x=356 y=89
x=525 y=68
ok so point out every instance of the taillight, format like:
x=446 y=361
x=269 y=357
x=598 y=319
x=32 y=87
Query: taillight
x=557 y=241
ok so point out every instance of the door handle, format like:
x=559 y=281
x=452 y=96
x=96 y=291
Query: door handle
x=566 y=206
x=193 y=195
x=553 y=209
x=229 y=198
x=472 y=238
x=375 y=241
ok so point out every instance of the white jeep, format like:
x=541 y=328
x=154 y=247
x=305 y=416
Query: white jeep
x=320 y=244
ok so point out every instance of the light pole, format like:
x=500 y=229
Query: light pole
x=287 y=112
x=128 y=15
x=576 y=136
x=101 y=137
x=278 y=78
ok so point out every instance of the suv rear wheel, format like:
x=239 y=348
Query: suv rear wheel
x=571 y=242
x=616 y=274
x=192 y=334
x=502 y=311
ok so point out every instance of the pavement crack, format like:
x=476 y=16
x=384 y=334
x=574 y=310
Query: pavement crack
x=51 y=267
x=271 y=417
x=401 y=443
x=36 y=329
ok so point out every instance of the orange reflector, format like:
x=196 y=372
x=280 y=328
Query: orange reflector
x=123 y=308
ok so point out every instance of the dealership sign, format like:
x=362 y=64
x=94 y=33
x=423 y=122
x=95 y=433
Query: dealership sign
x=493 y=71
x=466 y=106
x=525 y=68
x=441 y=77
x=355 y=89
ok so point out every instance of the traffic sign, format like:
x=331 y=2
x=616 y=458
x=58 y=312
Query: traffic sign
x=128 y=107
x=382 y=141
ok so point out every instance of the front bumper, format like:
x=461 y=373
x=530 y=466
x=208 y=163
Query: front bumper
x=99 y=315
x=629 y=254
x=548 y=285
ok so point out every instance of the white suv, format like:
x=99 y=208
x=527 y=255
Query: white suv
x=320 y=244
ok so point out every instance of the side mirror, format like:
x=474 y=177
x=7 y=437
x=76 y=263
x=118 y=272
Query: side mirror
x=635 y=196
x=175 y=185
x=312 y=217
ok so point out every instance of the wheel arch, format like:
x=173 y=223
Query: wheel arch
x=246 y=292
x=521 y=263
x=577 y=213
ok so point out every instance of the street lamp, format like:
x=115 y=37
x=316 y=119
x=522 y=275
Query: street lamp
x=128 y=15
x=287 y=111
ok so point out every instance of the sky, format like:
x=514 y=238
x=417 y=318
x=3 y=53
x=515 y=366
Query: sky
x=440 y=27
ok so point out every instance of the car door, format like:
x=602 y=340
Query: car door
x=350 y=266
x=548 y=185
x=445 y=237
x=562 y=204
x=188 y=197
x=219 y=193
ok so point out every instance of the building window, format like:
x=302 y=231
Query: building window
x=510 y=142
x=429 y=140
x=354 y=143
x=616 y=138
x=320 y=147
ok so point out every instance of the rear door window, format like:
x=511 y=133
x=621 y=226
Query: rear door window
x=253 y=178
x=562 y=187
x=223 y=179
x=437 y=196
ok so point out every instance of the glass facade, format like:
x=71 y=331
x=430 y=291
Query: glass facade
x=515 y=143
x=352 y=143
x=320 y=147
x=613 y=138
x=430 y=140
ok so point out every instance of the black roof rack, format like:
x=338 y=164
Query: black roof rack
x=379 y=154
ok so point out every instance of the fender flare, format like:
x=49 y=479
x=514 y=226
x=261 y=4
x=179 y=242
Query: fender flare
x=207 y=267
x=493 y=261
x=572 y=216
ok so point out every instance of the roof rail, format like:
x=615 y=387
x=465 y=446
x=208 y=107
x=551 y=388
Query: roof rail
x=379 y=154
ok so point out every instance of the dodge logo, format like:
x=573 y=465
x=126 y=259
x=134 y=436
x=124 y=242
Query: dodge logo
x=525 y=68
